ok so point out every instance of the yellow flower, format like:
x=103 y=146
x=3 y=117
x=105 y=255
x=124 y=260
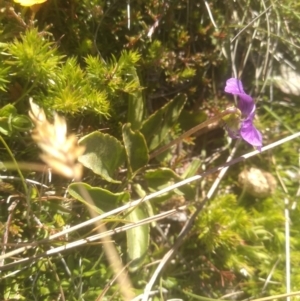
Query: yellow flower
x=29 y=2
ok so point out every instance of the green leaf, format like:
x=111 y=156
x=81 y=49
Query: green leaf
x=139 y=190
x=4 y=75
x=21 y=123
x=9 y=120
x=44 y=290
x=192 y=168
x=104 y=199
x=8 y=110
x=5 y=126
x=135 y=103
x=103 y=154
x=189 y=119
x=160 y=178
x=135 y=147
x=157 y=126
x=137 y=239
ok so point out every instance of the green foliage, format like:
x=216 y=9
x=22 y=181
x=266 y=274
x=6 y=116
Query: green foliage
x=126 y=92
x=114 y=75
x=136 y=104
x=160 y=178
x=4 y=74
x=34 y=57
x=137 y=239
x=104 y=199
x=135 y=147
x=98 y=154
x=158 y=125
x=64 y=85
x=11 y=122
x=72 y=92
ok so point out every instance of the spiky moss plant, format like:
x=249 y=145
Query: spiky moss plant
x=40 y=72
x=232 y=250
x=62 y=84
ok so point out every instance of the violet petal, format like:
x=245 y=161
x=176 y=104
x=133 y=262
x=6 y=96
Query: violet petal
x=250 y=134
x=246 y=103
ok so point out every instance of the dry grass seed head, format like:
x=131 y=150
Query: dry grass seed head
x=60 y=151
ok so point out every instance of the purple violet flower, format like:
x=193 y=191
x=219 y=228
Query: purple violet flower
x=247 y=107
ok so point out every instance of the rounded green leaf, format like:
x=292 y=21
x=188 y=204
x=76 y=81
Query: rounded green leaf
x=103 y=154
x=105 y=200
x=160 y=178
x=8 y=110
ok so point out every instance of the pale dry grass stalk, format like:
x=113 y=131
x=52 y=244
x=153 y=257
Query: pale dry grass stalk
x=60 y=152
x=88 y=240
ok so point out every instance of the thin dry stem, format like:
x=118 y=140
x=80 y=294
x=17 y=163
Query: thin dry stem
x=93 y=238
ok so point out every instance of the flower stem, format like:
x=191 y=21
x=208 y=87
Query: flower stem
x=193 y=130
x=16 y=165
x=26 y=91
